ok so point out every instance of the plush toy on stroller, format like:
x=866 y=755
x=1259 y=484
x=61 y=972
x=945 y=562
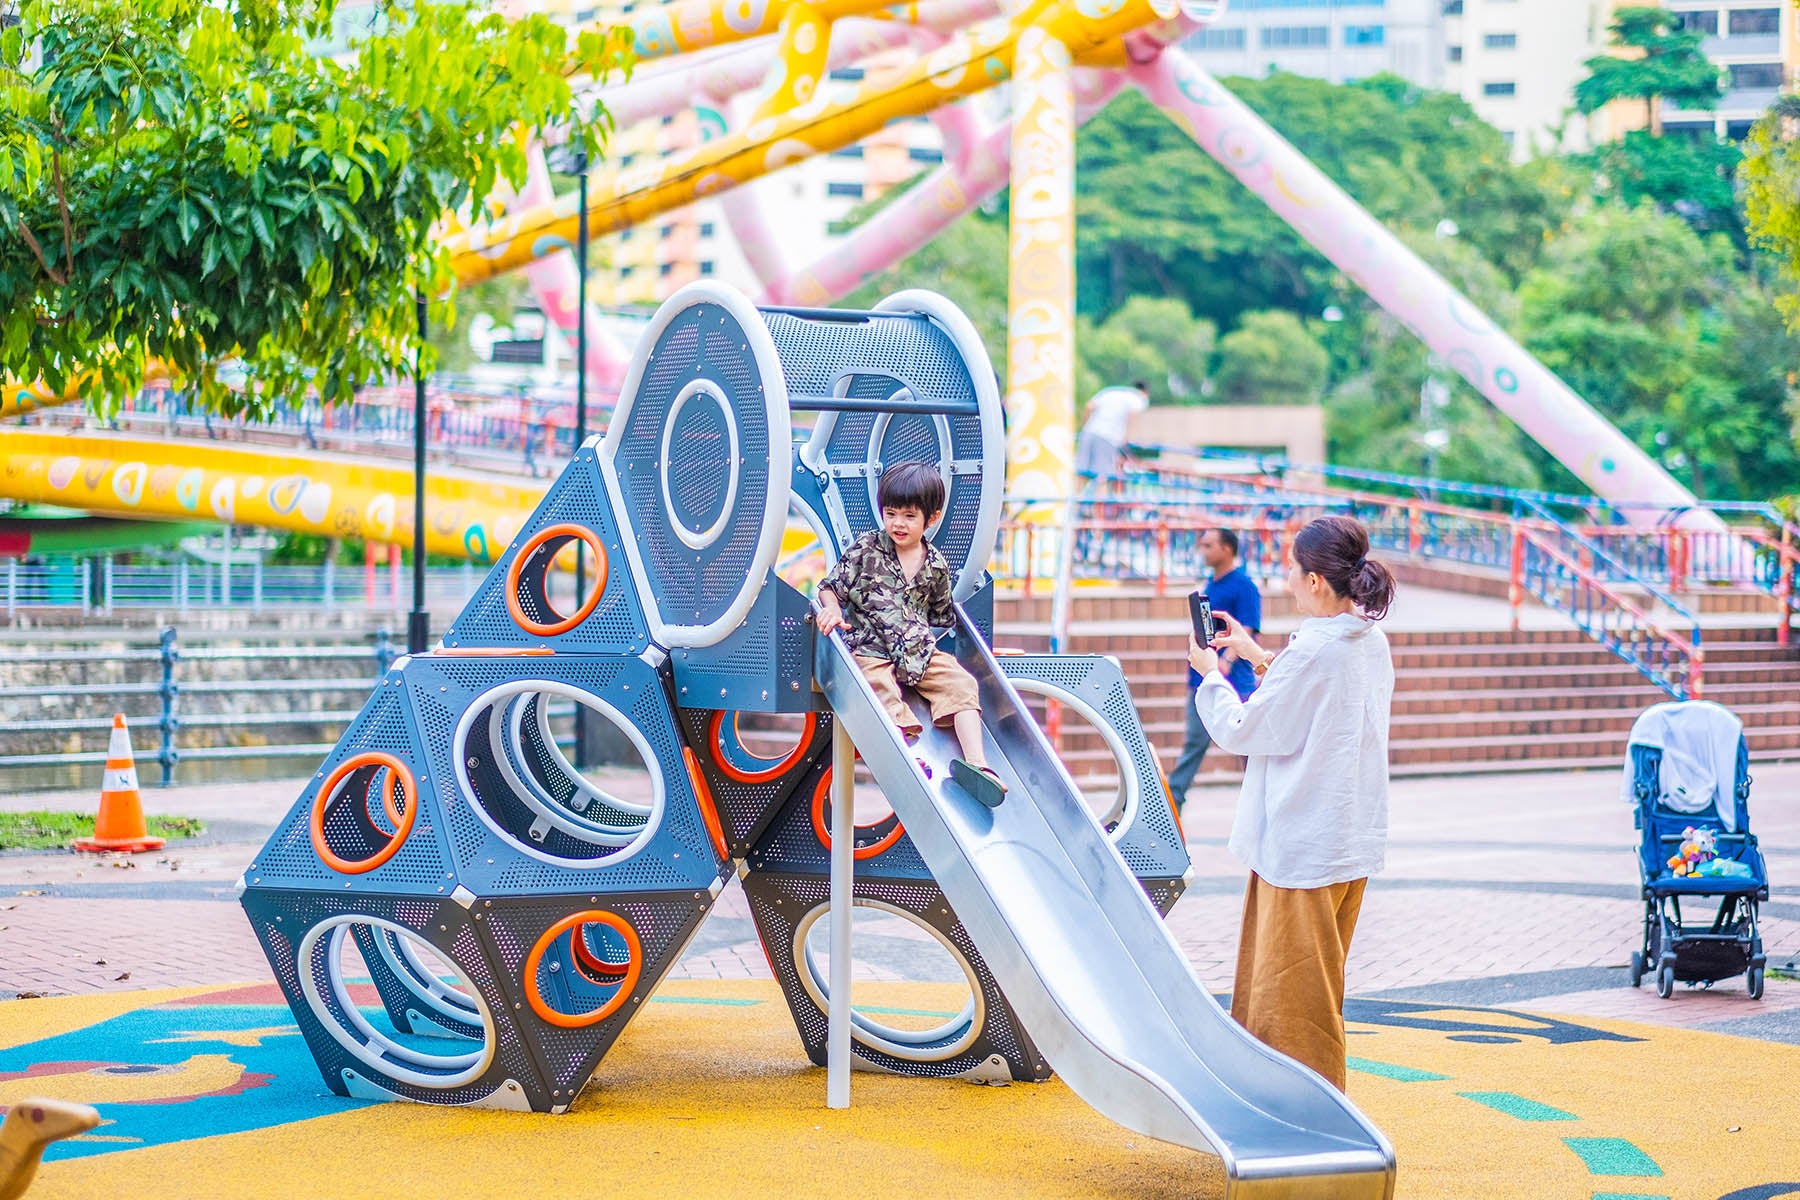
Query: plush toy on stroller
x=1687 y=775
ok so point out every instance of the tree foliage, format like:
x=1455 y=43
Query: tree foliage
x=1153 y=338
x=187 y=181
x=1690 y=176
x=1271 y=358
x=1662 y=62
x=1771 y=179
x=1658 y=329
x=1157 y=216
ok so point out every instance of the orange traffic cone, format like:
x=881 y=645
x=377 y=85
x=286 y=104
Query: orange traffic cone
x=120 y=825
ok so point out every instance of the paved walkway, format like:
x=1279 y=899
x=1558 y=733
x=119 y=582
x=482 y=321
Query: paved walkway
x=1501 y=890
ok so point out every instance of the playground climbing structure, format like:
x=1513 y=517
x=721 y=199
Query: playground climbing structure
x=514 y=915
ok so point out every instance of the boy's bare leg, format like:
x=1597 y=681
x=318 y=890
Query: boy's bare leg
x=968 y=735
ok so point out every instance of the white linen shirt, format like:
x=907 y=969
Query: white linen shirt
x=1313 y=810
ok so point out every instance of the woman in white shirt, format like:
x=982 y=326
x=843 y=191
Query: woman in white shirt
x=1312 y=818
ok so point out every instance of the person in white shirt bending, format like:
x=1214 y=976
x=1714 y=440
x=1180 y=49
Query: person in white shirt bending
x=1101 y=447
x=1311 y=821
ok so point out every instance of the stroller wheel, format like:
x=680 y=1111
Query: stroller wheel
x=1665 y=981
x=1636 y=970
x=1755 y=983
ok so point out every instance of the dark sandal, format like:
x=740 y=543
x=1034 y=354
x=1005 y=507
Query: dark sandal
x=980 y=782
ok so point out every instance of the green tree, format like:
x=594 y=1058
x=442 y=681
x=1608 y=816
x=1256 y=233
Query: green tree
x=1271 y=358
x=1771 y=180
x=1158 y=216
x=1662 y=61
x=189 y=182
x=1375 y=417
x=1659 y=60
x=1152 y=338
x=1658 y=329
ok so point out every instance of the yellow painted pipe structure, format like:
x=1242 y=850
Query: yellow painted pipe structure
x=1040 y=319
x=468 y=516
x=699 y=24
x=17 y=398
x=973 y=61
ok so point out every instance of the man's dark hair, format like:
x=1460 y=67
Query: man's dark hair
x=912 y=485
x=1141 y=386
x=1227 y=539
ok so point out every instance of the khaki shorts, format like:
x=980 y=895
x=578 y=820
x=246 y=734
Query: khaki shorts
x=945 y=685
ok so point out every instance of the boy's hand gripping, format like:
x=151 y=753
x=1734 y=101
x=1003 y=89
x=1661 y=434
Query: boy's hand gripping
x=830 y=616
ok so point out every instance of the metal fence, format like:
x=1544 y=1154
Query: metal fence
x=155 y=702
x=104 y=584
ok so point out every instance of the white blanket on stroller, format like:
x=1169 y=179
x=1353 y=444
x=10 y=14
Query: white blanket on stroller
x=1699 y=742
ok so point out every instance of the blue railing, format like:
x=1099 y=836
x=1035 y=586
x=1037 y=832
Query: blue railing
x=537 y=440
x=1596 y=509
x=105 y=584
x=1668 y=660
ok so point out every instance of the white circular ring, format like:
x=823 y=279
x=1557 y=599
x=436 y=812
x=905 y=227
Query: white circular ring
x=1124 y=814
x=393 y=1058
x=506 y=738
x=575 y=777
x=421 y=983
x=709 y=535
x=494 y=697
x=900 y=1043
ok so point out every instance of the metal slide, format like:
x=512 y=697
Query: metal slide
x=1092 y=970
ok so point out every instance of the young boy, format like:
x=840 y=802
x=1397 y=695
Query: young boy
x=886 y=592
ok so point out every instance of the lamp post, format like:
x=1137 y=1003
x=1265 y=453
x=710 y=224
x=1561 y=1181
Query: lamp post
x=581 y=264
x=572 y=159
x=418 y=624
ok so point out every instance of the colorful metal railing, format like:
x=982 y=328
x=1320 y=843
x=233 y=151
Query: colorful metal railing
x=463 y=426
x=1543 y=557
x=1675 y=663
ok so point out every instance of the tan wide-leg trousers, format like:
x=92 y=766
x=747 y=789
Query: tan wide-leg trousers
x=1289 y=991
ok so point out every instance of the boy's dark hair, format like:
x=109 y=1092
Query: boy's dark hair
x=1141 y=386
x=912 y=485
x=1227 y=539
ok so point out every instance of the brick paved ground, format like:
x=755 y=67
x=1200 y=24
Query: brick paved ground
x=1500 y=890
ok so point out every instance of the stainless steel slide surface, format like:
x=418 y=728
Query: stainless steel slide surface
x=1092 y=970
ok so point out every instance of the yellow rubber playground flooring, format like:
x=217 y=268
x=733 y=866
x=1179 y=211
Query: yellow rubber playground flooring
x=210 y=1093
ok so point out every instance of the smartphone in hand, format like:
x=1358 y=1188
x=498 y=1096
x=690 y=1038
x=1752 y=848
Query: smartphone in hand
x=1200 y=612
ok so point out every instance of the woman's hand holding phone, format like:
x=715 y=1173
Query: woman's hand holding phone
x=1203 y=659
x=1234 y=637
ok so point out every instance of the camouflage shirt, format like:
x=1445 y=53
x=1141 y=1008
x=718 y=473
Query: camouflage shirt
x=889 y=616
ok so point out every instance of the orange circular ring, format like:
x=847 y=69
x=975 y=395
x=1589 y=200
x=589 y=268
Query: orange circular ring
x=389 y=804
x=634 y=967
x=402 y=824
x=563 y=530
x=709 y=811
x=824 y=835
x=588 y=961
x=776 y=768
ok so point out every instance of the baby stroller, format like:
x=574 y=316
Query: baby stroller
x=1696 y=949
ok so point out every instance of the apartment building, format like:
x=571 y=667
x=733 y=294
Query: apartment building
x=805 y=205
x=1757 y=43
x=1517 y=63
x=1338 y=40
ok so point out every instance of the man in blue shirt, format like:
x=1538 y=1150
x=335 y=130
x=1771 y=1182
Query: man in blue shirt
x=1232 y=592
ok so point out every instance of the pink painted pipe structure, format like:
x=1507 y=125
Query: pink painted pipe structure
x=1397 y=279
x=964 y=180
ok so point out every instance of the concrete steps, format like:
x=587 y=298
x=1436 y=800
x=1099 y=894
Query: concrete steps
x=1468 y=700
